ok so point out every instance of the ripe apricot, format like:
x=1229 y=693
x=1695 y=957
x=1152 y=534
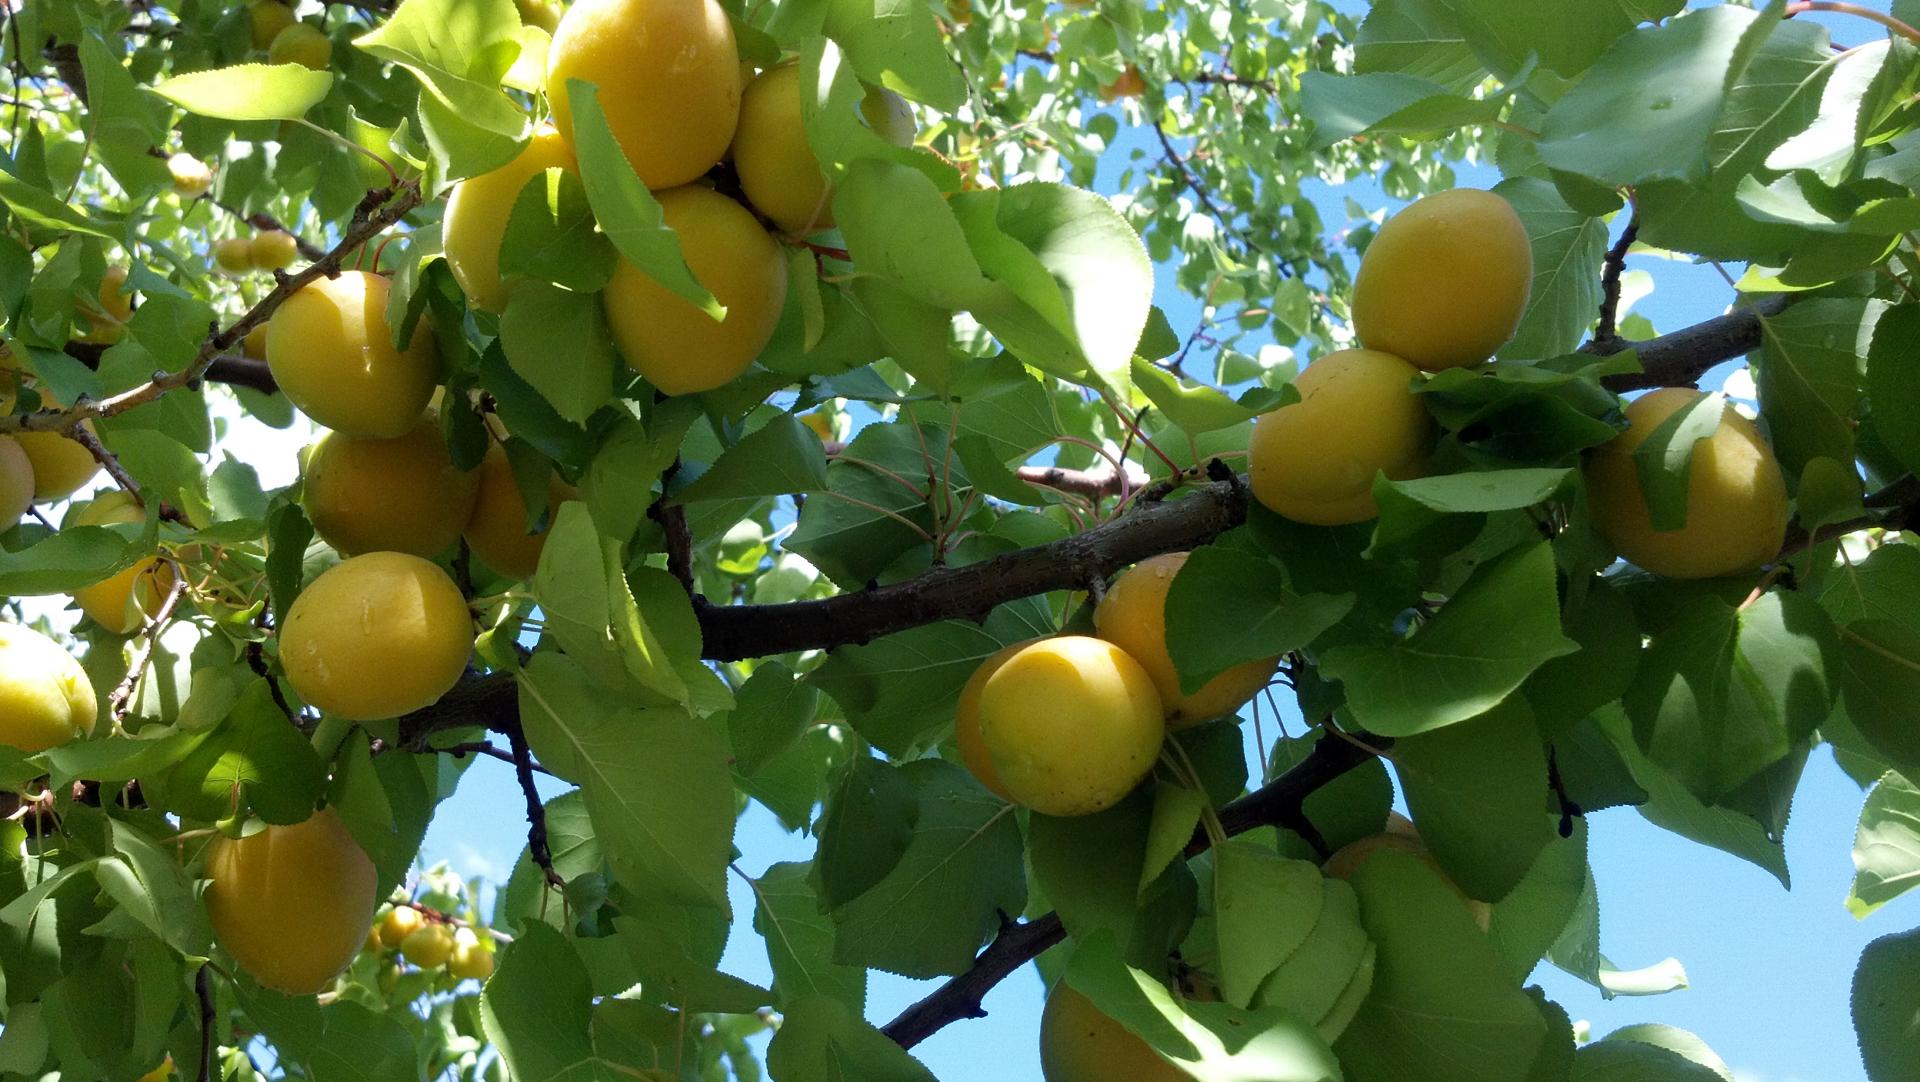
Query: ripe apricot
x=1133 y=616
x=377 y=636
x=1736 y=496
x=45 y=697
x=428 y=946
x=778 y=171
x=16 y=482
x=1445 y=281
x=497 y=533
x=122 y=603
x=1072 y=724
x=1314 y=461
x=107 y=323
x=399 y=923
x=1081 y=1043
x=669 y=79
x=191 y=177
x=291 y=903
x=265 y=20
x=678 y=347
x=233 y=255
x=303 y=44
x=967 y=735
x=398 y=495
x=255 y=344
x=61 y=466
x=272 y=249
x=331 y=351
x=477 y=213
x=471 y=960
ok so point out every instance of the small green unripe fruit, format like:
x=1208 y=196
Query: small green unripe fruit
x=676 y=345
x=302 y=44
x=428 y=947
x=1073 y=724
x=1445 y=281
x=1080 y=1043
x=233 y=254
x=376 y=637
x=331 y=351
x=191 y=177
x=45 y=698
x=397 y=495
x=1314 y=461
x=778 y=170
x=477 y=213
x=292 y=903
x=1736 y=496
x=273 y=249
x=1133 y=616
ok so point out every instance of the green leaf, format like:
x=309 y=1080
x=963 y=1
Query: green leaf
x=1664 y=460
x=898 y=46
x=1808 y=374
x=551 y=236
x=362 y=1046
x=248 y=91
x=1442 y=1007
x=1265 y=906
x=1090 y=867
x=789 y=916
x=537 y=1009
x=42 y=208
x=821 y=1037
x=1634 y=1061
x=1566 y=690
x=1478 y=790
x=1416 y=37
x=1886 y=1005
x=782 y=456
x=855 y=538
x=1343 y=106
x=559 y=343
x=1880 y=676
x=626 y=211
x=959 y=875
x=1567 y=246
x=899 y=226
x=460 y=50
x=1430 y=516
x=1312 y=981
x=1647 y=107
x=1530 y=919
x=662 y=957
x=1196 y=407
x=1892 y=390
x=866 y=829
x=1227 y=607
x=1886 y=850
x=74 y=557
x=1499 y=627
x=1884 y=586
x=1686 y=1045
x=656 y=781
x=1565 y=36
x=256 y=755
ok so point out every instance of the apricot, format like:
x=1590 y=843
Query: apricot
x=108 y=322
x=967 y=735
x=122 y=603
x=397 y=495
x=45 y=697
x=1128 y=84
x=291 y=903
x=1400 y=836
x=1133 y=616
x=538 y=13
x=669 y=79
x=265 y=20
x=428 y=946
x=191 y=177
x=471 y=960
x=1314 y=461
x=375 y=637
x=399 y=923
x=160 y=1073
x=778 y=171
x=477 y=213
x=233 y=255
x=255 y=344
x=1736 y=496
x=302 y=44
x=1445 y=281
x=497 y=533
x=1081 y=1043
x=61 y=466
x=1073 y=724
x=272 y=249
x=331 y=351
x=16 y=482
x=678 y=347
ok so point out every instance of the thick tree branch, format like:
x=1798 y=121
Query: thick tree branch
x=1093 y=484
x=1018 y=944
x=1681 y=358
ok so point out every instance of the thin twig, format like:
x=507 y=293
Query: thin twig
x=122 y=694
x=1610 y=282
x=203 y=990
x=1193 y=184
x=1839 y=7
x=481 y=747
x=537 y=848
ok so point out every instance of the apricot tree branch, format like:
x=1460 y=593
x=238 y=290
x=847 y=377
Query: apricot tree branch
x=1616 y=264
x=1679 y=359
x=122 y=695
x=1092 y=484
x=537 y=848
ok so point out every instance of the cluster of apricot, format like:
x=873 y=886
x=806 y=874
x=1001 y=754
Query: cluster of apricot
x=429 y=941
x=679 y=101
x=267 y=250
x=1444 y=285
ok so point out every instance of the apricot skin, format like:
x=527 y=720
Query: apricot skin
x=397 y=495
x=477 y=214
x=376 y=637
x=122 y=603
x=45 y=697
x=1314 y=461
x=497 y=532
x=272 y=249
x=16 y=482
x=1133 y=616
x=1073 y=724
x=292 y=903
x=1079 y=1043
x=108 y=323
x=302 y=44
x=967 y=735
x=331 y=351
x=1445 y=281
x=669 y=79
x=676 y=345
x=265 y=20
x=778 y=171
x=1736 y=496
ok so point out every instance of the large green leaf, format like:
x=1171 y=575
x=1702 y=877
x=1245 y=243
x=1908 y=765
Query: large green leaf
x=1893 y=391
x=1886 y=850
x=1478 y=790
x=1567 y=247
x=1342 y=106
x=1416 y=37
x=1264 y=907
x=1808 y=373
x=1886 y=1004
x=821 y=1037
x=782 y=456
x=1227 y=607
x=1880 y=677
x=248 y=91
x=537 y=1010
x=1564 y=36
x=799 y=935
x=460 y=50
x=559 y=343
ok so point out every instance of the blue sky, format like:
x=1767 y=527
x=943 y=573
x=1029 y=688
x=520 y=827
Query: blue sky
x=1769 y=969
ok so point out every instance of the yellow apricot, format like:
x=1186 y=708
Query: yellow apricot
x=1072 y=723
x=16 y=482
x=428 y=946
x=233 y=255
x=45 y=697
x=397 y=495
x=61 y=466
x=265 y=20
x=497 y=532
x=967 y=734
x=1400 y=836
x=302 y=44
x=160 y=1073
x=1736 y=496
x=401 y=922
x=1445 y=281
x=272 y=249
x=191 y=177
x=477 y=213
x=1081 y=1043
x=678 y=347
x=291 y=903
x=122 y=603
x=778 y=171
x=1314 y=461
x=377 y=636
x=255 y=344
x=108 y=322
x=669 y=79
x=331 y=351
x=471 y=960
x=1128 y=84
x=538 y=13
x=1133 y=616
